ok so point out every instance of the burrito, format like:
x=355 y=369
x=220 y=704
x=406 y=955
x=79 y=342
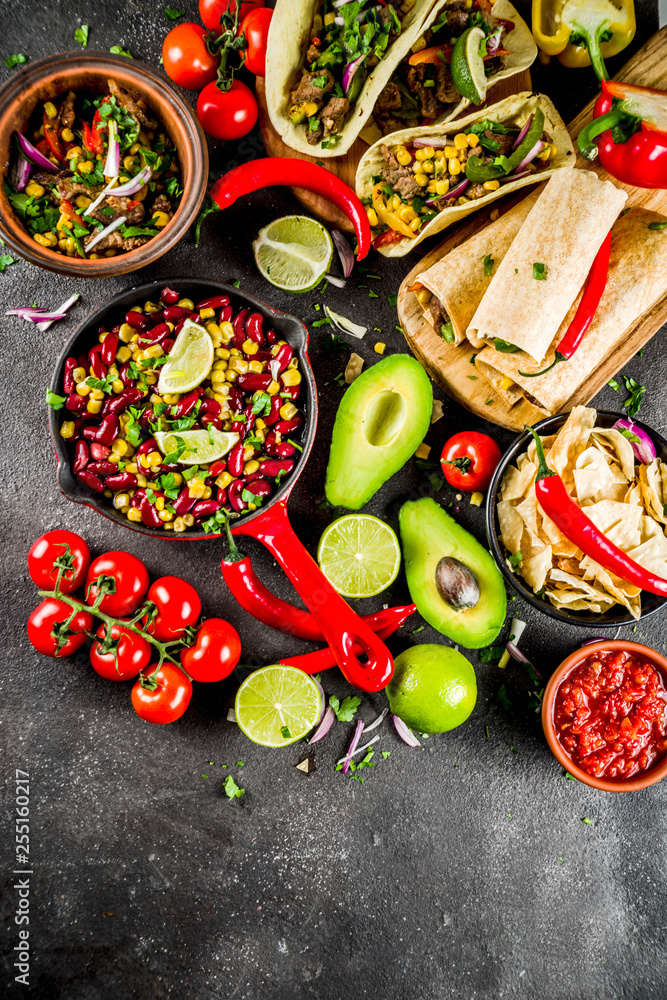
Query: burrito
x=540 y=276
x=326 y=62
x=636 y=281
x=423 y=87
x=424 y=180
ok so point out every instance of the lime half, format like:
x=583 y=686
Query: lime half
x=195 y=447
x=293 y=253
x=467 y=66
x=190 y=360
x=278 y=705
x=359 y=555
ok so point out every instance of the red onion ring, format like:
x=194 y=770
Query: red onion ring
x=644 y=450
x=405 y=732
x=353 y=745
x=325 y=725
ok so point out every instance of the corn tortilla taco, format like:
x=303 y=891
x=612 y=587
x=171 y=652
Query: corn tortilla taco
x=423 y=180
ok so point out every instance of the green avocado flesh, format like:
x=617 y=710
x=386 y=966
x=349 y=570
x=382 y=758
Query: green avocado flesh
x=427 y=534
x=381 y=421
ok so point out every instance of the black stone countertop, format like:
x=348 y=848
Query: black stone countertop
x=462 y=870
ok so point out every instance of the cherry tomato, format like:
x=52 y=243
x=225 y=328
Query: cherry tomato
x=255 y=27
x=54 y=545
x=210 y=11
x=133 y=653
x=168 y=700
x=186 y=59
x=227 y=114
x=130 y=578
x=51 y=614
x=215 y=653
x=178 y=606
x=469 y=460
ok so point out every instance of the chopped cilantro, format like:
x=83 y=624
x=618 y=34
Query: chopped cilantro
x=488 y=263
x=321 y=322
x=490 y=653
x=588 y=822
x=55 y=402
x=15 y=60
x=392 y=299
x=285 y=733
x=232 y=790
x=173 y=14
x=81 y=35
x=633 y=403
x=386 y=754
x=570 y=777
x=5 y=261
x=516 y=559
x=503 y=699
x=539 y=271
x=657 y=225
x=174 y=455
x=346 y=710
x=118 y=50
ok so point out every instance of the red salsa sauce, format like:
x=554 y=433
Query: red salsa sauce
x=610 y=715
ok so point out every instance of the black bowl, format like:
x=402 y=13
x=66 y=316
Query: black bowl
x=617 y=615
x=288 y=327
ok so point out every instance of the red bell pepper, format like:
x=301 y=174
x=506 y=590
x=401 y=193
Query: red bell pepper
x=629 y=134
x=52 y=136
x=92 y=139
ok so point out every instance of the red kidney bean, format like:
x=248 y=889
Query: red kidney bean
x=287 y=426
x=159 y=470
x=124 y=374
x=250 y=477
x=253 y=328
x=146 y=446
x=205 y=508
x=99 y=452
x=274 y=412
x=91 y=481
x=226 y=314
x=239 y=327
x=215 y=302
x=222 y=497
x=271 y=336
x=107 y=432
x=290 y=391
x=169 y=296
x=234 y=492
x=116 y=329
x=235 y=460
x=209 y=405
x=254 y=381
x=185 y=404
x=270 y=443
x=128 y=397
x=260 y=487
x=167 y=344
x=209 y=419
x=283 y=355
x=284 y=450
x=183 y=503
x=121 y=481
x=75 y=403
x=157 y=317
x=217 y=467
x=90 y=432
x=109 y=348
x=81 y=456
x=176 y=314
x=154 y=336
x=69 y=385
x=263 y=355
x=94 y=356
x=137 y=320
x=102 y=469
x=149 y=515
x=271 y=467
x=235 y=398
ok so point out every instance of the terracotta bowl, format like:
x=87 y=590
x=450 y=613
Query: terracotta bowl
x=650 y=777
x=48 y=79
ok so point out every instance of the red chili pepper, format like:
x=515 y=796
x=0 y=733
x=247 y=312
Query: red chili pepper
x=638 y=113
x=286 y=171
x=557 y=504
x=586 y=310
x=92 y=139
x=323 y=659
x=51 y=135
x=388 y=236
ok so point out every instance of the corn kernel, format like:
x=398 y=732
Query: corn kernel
x=423 y=450
x=476 y=499
x=218 y=376
x=161 y=219
x=309 y=108
x=34 y=189
x=248 y=452
x=226 y=332
x=222 y=354
x=79 y=374
x=141 y=480
x=126 y=333
x=239 y=365
x=423 y=296
x=545 y=154
x=94 y=405
x=73 y=151
x=67 y=135
x=67 y=429
x=431 y=187
x=260 y=425
x=165 y=515
x=208 y=492
x=415 y=225
x=451 y=153
x=256 y=366
x=83 y=388
x=491 y=185
x=159 y=503
x=472 y=140
x=121 y=501
x=421 y=41
x=273 y=388
x=178 y=478
x=407 y=213
x=133 y=514
x=380 y=348
x=220 y=395
x=187 y=304
x=403 y=156
x=250 y=467
x=441 y=187
x=428 y=166
x=372 y=216
x=329 y=18
x=462 y=200
x=225 y=478
x=422 y=179
x=132 y=467
x=440 y=154
x=86 y=167
x=288 y=410
x=219 y=366
x=188 y=520
x=179 y=525
x=454 y=167
x=171 y=397
x=423 y=153
x=291 y=377
x=460 y=140
x=123 y=354
x=196 y=488
x=46 y=239
x=122 y=448
x=154 y=458
x=168 y=526
x=82 y=201
x=154 y=351
x=208 y=313
x=396 y=202
x=96 y=394
x=51 y=110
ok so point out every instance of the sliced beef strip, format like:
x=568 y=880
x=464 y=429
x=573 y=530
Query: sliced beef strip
x=312 y=54
x=67 y=113
x=415 y=78
x=445 y=89
x=120 y=207
x=308 y=91
x=389 y=98
x=457 y=21
x=132 y=242
x=475 y=191
x=505 y=142
x=332 y=115
x=69 y=188
x=162 y=204
x=402 y=179
x=130 y=105
x=111 y=241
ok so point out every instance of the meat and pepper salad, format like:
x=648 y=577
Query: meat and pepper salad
x=95 y=176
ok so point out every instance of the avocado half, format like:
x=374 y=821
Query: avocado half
x=427 y=534
x=381 y=421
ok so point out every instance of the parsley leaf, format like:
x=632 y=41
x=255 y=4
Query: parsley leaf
x=491 y=653
x=346 y=711
x=5 y=261
x=261 y=404
x=118 y=50
x=81 y=35
x=539 y=271
x=174 y=455
x=488 y=263
x=207 y=210
x=55 y=402
x=393 y=299
x=232 y=790
x=657 y=225
x=15 y=60
x=173 y=14
x=634 y=401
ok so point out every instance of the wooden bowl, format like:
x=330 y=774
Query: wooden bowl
x=48 y=79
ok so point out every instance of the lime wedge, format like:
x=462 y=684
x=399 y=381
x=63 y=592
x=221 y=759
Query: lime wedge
x=278 y=705
x=467 y=66
x=190 y=360
x=200 y=448
x=293 y=253
x=359 y=555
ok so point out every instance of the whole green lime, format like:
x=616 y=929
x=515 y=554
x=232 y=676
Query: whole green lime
x=433 y=688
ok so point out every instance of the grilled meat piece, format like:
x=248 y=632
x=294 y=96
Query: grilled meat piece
x=445 y=89
x=332 y=115
x=402 y=179
x=312 y=54
x=111 y=241
x=130 y=105
x=308 y=91
x=505 y=142
x=68 y=188
x=132 y=210
x=132 y=242
x=389 y=98
x=457 y=21
x=415 y=79
x=67 y=113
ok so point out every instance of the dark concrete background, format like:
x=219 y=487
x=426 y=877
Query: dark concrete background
x=462 y=870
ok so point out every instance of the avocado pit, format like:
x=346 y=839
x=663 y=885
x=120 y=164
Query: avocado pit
x=456 y=583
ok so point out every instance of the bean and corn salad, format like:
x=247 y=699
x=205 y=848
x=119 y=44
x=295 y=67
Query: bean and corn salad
x=95 y=176
x=114 y=411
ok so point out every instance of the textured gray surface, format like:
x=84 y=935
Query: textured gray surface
x=462 y=870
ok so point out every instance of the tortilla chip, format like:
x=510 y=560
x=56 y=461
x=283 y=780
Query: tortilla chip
x=571 y=440
x=527 y=511
x=592 y=475
x=650 y=479
x=608 y=513
x=612 y=440
x=534 y=570
x=511 y=526
x=516 y=482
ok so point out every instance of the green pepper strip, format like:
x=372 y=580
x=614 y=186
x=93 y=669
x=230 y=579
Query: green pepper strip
x=612 y=119
x=478 y=171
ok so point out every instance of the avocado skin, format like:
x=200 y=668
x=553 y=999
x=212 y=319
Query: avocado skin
x=357 y=469
x=427 y=534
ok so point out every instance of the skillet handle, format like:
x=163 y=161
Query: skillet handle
x=342 y=627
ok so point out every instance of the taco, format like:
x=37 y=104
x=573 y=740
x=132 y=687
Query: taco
x=326 y=62
x=438 y=79
x=426 y=179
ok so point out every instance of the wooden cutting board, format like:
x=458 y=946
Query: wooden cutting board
x=345 y=166
x=450 y=366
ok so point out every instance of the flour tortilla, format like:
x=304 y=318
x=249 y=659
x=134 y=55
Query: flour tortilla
x=563 y=232
x=287 y=44
x=637 y=280
x=513 y=110
x=519 y=43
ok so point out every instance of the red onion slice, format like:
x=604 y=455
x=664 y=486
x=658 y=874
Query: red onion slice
x=112 y=164
x=378 y=722
x=644 y=449
x=325 y=725
x=20 y=172
x=344 y=252
x=366 y=746
x=516 y=653
x=454 y=193
x=433 y=141
x=130 y=187
x=35 y=156
x=529 y=157
x=105 y=232
x=35 y=315
x=350 y=70
x=522 y=134
x=353 y=745
x=44 y=324
x=405 y=732
x=337 y=282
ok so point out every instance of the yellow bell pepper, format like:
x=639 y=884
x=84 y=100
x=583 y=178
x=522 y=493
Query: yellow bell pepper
x=584 y=32
x=388 y=217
